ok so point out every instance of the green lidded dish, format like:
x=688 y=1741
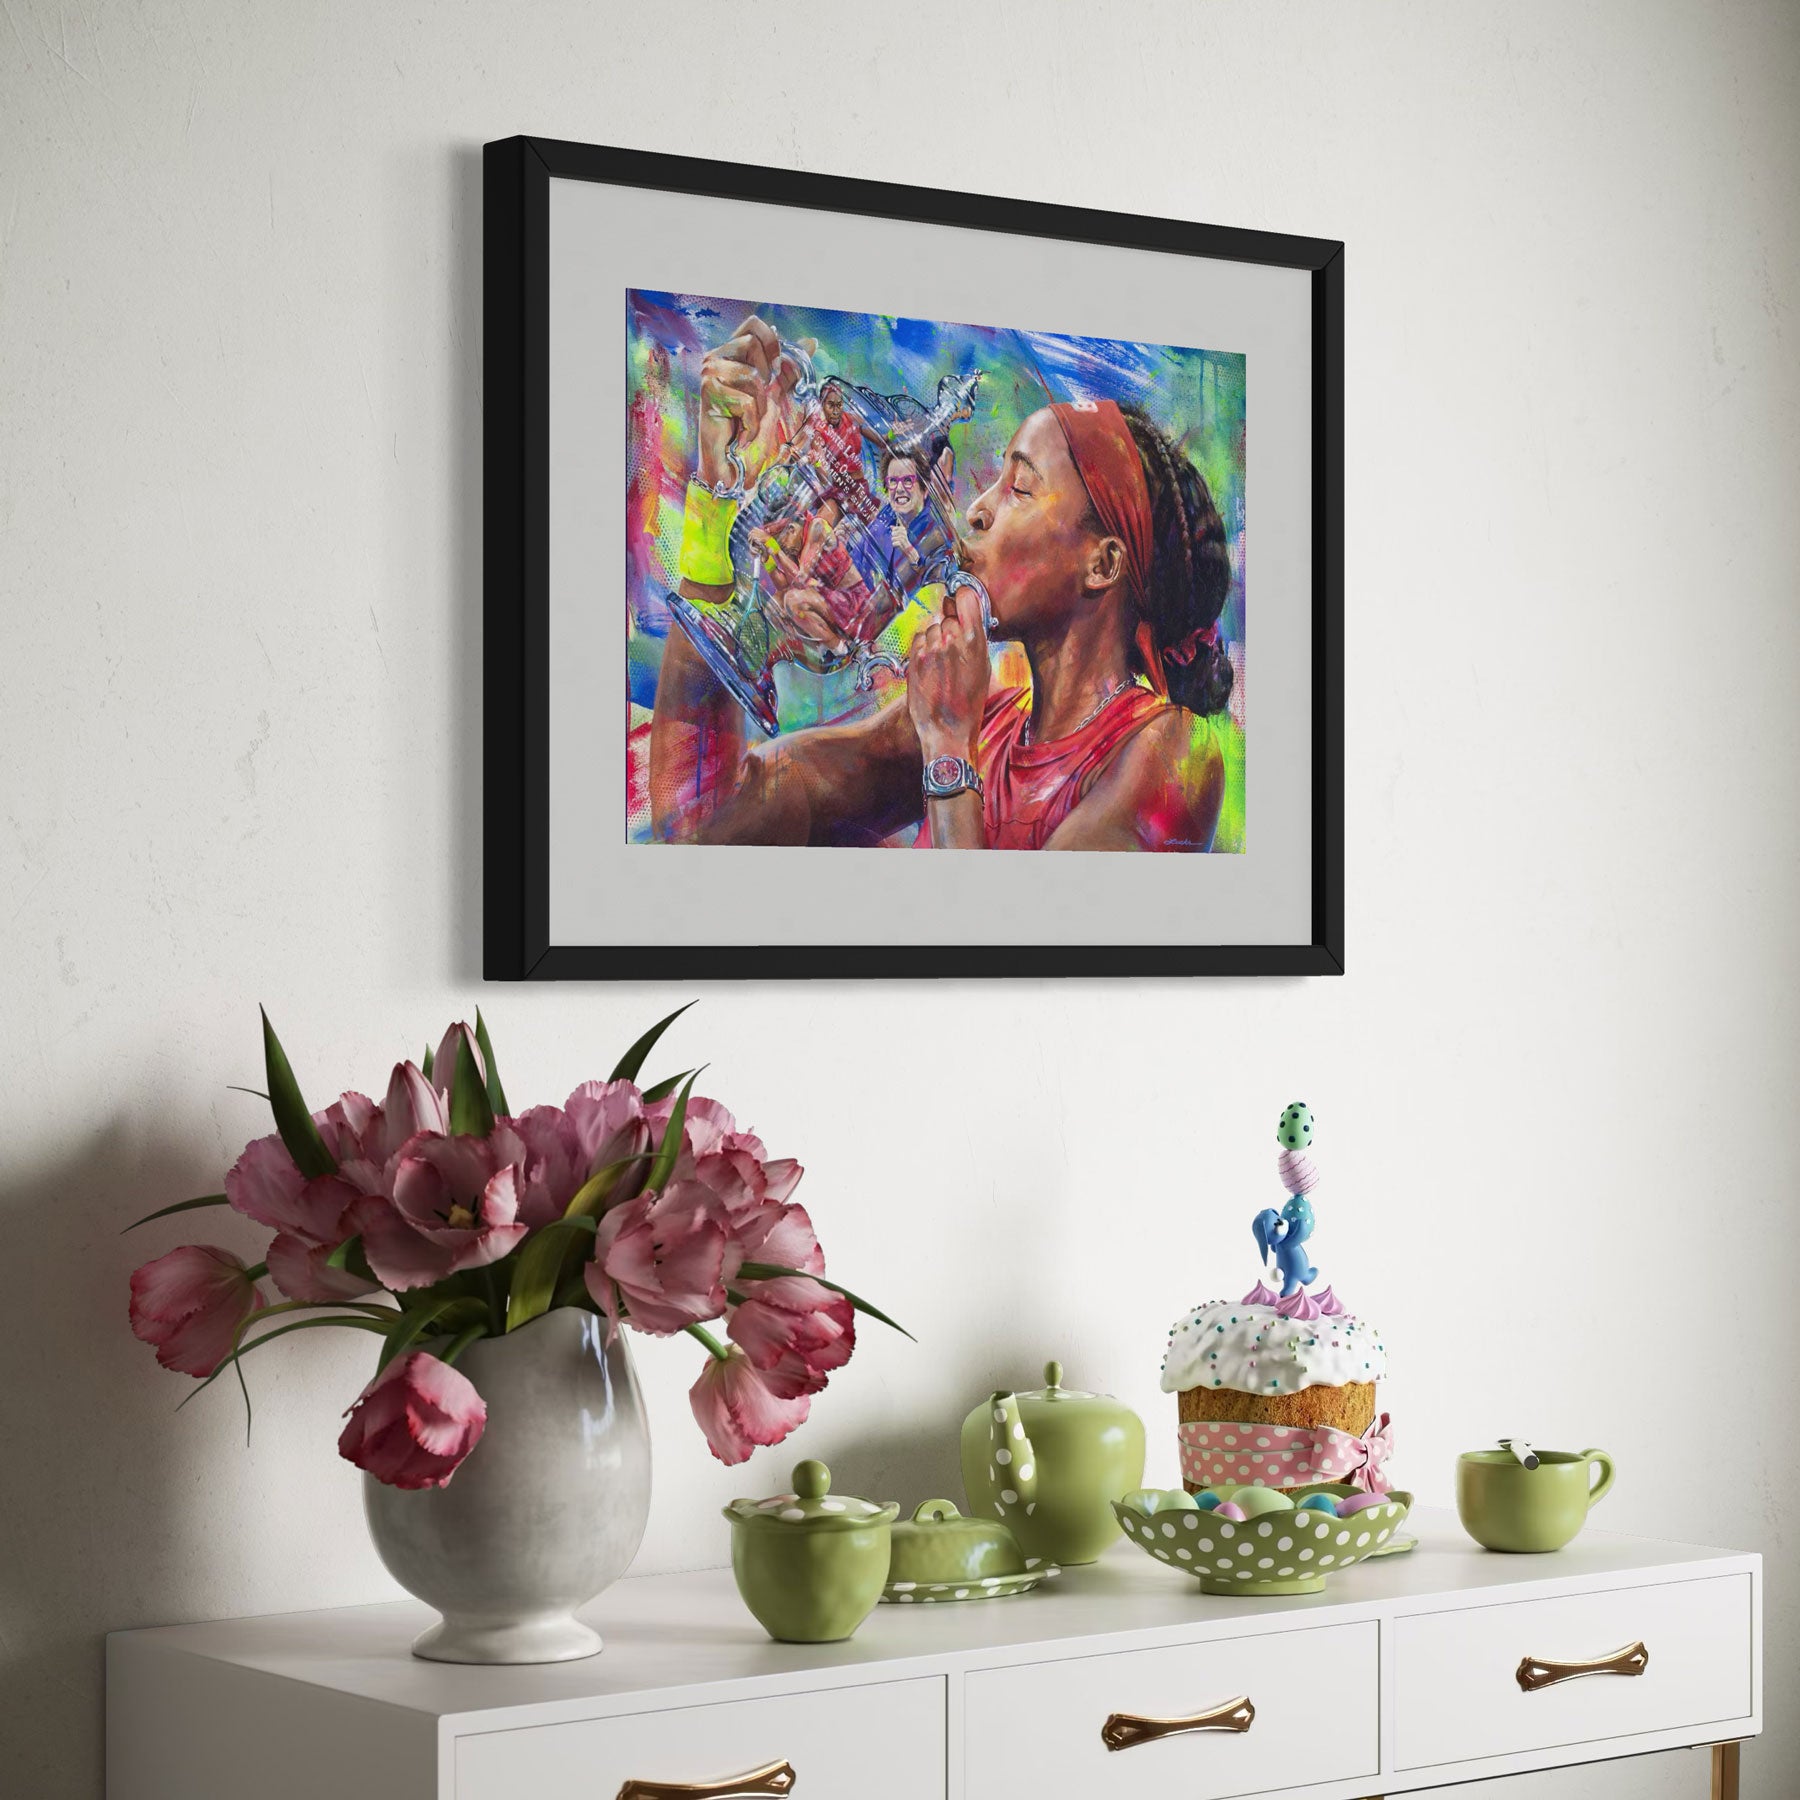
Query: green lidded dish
x=941 y=1555
x=810 y=1565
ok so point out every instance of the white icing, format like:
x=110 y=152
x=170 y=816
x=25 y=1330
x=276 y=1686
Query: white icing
x=1237 y=1344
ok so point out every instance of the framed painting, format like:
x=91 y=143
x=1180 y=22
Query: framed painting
x=883 y=581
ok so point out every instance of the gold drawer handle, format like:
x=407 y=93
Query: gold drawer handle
x=1124 y=1731
x=1634 y=1659
x=773 y=1778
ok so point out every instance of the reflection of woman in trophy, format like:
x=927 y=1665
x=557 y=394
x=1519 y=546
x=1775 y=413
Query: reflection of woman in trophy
x=813 y=584
x=1101 y=552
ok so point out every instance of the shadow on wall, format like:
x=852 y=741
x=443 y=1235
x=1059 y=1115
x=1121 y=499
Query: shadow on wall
x=91 y=1476
x=118 y=1512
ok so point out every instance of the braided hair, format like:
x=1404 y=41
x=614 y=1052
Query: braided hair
x=1190 y=569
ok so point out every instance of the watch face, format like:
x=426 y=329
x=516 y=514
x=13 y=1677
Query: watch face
x=945 y=771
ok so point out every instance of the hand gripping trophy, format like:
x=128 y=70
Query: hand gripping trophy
x=816 y=568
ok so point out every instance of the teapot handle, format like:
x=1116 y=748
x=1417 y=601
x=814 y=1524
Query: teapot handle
x=940 y=1510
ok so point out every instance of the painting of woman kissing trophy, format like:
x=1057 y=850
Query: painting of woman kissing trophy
x=897 y=582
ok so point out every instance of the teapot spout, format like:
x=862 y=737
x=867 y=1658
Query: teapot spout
x=1015 y=1462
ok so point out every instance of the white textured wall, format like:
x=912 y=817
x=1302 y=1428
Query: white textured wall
x=240 y=529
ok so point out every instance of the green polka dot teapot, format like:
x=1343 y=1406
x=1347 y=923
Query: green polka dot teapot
x=1050 y=1463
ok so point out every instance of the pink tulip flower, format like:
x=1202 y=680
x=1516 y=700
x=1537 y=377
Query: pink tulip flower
x=365 y=1138
x=780 y=1235
x=456 y=1203
x=443 y=1061
x=794 y=1329
x=739 y=1408
x=413 y=1425
x=550 y=1165
x=663 y=1256
x=735 y=1164
x=264 y=1185
x=610 y=1124
x=310 y=1219
x=190 y=1305
x=303 y=1271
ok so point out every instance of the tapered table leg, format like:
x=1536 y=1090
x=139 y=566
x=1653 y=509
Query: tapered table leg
x=1725 y=1771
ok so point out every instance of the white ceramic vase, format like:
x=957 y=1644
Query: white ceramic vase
x=548 y=1509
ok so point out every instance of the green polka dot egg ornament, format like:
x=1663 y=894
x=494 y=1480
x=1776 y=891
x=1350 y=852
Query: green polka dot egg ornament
x=1295 y=1132
x=1284 y=1551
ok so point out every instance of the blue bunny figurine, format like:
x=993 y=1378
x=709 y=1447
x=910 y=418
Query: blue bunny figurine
x=1282 y=1235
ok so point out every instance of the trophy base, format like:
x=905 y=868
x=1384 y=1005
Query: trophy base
x=718 y=648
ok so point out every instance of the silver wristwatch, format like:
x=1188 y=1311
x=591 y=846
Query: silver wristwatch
x=949 y=775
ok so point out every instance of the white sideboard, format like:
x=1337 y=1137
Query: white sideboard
x=1446 y=1665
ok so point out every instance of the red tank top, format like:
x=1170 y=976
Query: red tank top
x=1029 y=789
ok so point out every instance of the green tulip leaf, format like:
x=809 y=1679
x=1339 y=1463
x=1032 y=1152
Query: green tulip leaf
x=162 y=1212
x=592 y=1196
x=292 y=1119
x=471 y=1112
x=461 y=1342
x=495 y=1092
x=240 y=1350
x=425 y=1066
x=633 y=1059
x=447 y=1312
x=664 y=1089
x=349 y=1257
x=543 y=1258
x=670 y=1148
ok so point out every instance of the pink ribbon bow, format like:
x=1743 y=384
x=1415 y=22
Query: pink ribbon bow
x=1228 y=1452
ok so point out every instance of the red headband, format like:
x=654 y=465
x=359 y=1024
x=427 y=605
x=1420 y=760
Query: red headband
x=1106 y=458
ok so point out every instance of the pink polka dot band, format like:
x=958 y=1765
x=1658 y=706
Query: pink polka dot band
x=1231 y=1452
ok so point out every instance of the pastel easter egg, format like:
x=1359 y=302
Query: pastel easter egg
x=1356 y=1503
x=1255 y=1501
x=1142 y=1500
x=1177 y=1500
x=1295 y=1131
x=1228 y=1509
x=1207 y=1500
x=1296 y=1172
x=1319 y=1503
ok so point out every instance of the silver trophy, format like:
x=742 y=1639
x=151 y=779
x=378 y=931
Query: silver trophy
x=744 y=639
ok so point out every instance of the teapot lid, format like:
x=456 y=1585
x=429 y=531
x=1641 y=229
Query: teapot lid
x=812 y=1506
x=1054 y=1391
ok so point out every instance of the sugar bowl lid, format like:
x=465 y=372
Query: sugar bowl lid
x=812 y=1506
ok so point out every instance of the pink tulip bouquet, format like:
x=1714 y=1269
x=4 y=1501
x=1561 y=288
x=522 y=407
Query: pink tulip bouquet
x=436 y=1216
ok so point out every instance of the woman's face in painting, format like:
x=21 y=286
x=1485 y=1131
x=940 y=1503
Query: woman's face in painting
x=1027 y=543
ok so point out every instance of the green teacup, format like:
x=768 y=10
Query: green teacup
x=1507 y=1506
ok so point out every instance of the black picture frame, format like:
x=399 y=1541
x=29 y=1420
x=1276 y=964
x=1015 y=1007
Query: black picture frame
x=516 y=943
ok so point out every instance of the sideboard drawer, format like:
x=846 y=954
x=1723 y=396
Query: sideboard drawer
x=1458 y=1695
x=884 y=1741
x=1035 y=1730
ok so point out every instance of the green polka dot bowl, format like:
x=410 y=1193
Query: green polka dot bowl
x=1285 y=1550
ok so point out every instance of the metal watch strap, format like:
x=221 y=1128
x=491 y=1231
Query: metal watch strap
x=947 y=776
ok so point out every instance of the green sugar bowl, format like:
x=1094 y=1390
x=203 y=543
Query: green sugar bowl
x=810 y=1564
x=940 y=1555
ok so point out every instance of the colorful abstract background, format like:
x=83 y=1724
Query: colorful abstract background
x=1197 y=396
